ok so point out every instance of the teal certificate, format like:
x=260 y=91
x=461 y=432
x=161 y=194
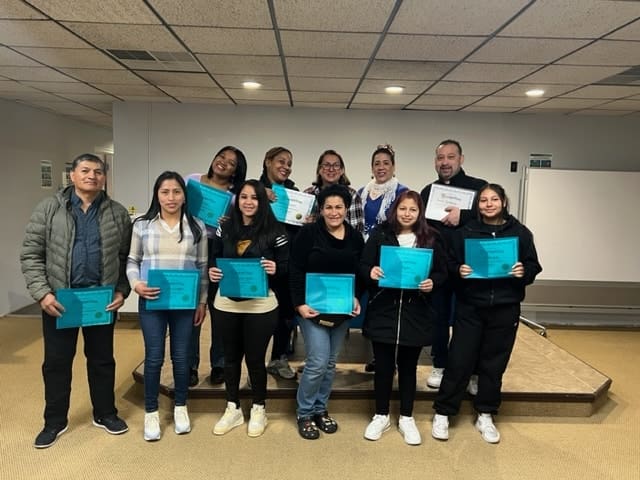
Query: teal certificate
x=291 y=207
x=330 y=293
x=84 y=307
x=242 y=278
x=491 y=258
x=178 y=289
x=404 y=267
x=207 y=203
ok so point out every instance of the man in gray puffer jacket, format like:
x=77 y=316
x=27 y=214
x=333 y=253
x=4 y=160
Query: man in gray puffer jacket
x=77 y=238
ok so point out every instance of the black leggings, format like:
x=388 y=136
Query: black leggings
x=406 y=357
x=245 y=335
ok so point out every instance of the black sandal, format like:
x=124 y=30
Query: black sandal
x=325 y=423
x=308 y=429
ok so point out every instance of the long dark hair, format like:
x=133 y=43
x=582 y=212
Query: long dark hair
x=262 y=226
x=502 y=195
x=240 y=174
x=343 y=180
x=425 y=235
x=154 y=208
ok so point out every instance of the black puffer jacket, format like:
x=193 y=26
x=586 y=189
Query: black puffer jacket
x=498 y=291
x=398 y=316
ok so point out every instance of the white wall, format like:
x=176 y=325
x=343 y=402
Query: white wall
x=27 y=136
x=150 y=138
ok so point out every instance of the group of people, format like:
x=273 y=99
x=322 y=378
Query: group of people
x=82 y=238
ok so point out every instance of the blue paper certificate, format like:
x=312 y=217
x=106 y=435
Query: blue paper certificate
x=330 y=293
x=84 y=307
x=291 y=207
x=404 y=267
x=242 y=278
x=207 y=203
x=178 y=289
x=490 y=258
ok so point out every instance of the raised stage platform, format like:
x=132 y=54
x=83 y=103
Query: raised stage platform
x=542 y=380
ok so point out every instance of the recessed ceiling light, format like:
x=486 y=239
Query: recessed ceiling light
x=394 y=90
x=536 y=92
x=251 y=85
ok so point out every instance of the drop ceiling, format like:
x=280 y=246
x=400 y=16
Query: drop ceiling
x=78 y=58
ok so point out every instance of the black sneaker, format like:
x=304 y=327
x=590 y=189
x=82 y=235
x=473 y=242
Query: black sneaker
x=48 y=436
x=217 y=376
x=112 y=424
x=193 y=377
x=371 y=366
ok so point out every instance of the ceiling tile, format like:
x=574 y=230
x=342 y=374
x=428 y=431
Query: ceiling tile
x=37 y=33
x=339 y=15
x=245 y=14
x=107 y=11
x=572 y=18
x=610 y=113
x=123 y=91
x=18 y=9
x=383 y=99
x=62 y=87
x=127 y=37
x=241 y=64
x=145 y=98
x=476 y=108
x=633 y=105
x=448 y=100
x=463 y=17
x=342 y=97
x=13 y=86
x=43 y=74
x=525 y=50
x=605 y=91
x=323 y=84
x=200 y=92
x=326 y=67
x=544 y=111
x=411 y=87
x=328 y=44
x=178 y=79
x=630 y=32
x=520 y=89
x=321 y=105
x=120 y=77
x=239 y=41
x=374 y=106
x=263 y=103
x=81 y=98
x=70 y=58
x=490 y=72
x=14 y=59
x=199 y=100
x=569 y=103
x=34 y=95
x=406 y=70
x=515 y=102
x=447 y=108
x=572 y=74
x=65 y=107
x=606 y=52
x=268 y=82
x=426 y=47
x=244 y=94
x=464 y=88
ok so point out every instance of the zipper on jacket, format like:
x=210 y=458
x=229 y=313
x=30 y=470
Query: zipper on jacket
x=399 y=314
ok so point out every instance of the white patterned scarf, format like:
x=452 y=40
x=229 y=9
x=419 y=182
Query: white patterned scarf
x=388 y=192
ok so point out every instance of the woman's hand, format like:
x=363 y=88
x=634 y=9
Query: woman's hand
x=465 y=270
x=376 y=273
x=215 y=274
x=200 y=314
x=148 y=293
x=356 y=307
x=426 y=286
x=269 y=266
x=118 y=301
x=305 y=311
x=518 y=270
x=270 y=195
x=311 y=218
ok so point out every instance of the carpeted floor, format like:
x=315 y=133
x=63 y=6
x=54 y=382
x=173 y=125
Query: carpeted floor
x=603 y=446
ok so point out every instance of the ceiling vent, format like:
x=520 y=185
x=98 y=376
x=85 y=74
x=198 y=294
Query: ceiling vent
x=159 y=61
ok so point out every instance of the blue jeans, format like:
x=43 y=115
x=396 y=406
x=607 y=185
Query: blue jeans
x=154 y=331
x=322 y=346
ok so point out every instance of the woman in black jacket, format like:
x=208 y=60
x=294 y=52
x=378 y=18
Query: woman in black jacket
x=487 y=315
x=398 y=321
x=246 y=324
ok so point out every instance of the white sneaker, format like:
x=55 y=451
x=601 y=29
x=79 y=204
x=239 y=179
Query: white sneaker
x=408 y=429
x=440 y=427
x=151 y=426
x=231 y=419
x=485 y=426
x=181 y=420
x=472 y=386
x=257 y=422
x=377 y=427
x=435 y=377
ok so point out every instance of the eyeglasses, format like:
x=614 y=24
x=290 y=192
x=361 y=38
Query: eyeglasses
x=331 y=166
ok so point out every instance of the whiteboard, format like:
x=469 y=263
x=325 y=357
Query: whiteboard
x=586 y=223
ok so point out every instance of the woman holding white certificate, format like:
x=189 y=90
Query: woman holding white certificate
x=167 y=238
x=246 y=322
x=227 y=171
x=328 y=246
x=399 y=320
x=487 y=309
